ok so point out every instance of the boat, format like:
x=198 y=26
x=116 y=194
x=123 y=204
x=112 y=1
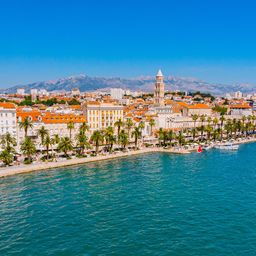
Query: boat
x=228 y=146
x=207 y=147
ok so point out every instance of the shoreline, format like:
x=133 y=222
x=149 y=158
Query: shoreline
x=13 y=170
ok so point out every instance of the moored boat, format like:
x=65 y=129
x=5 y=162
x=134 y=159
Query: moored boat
x=228 y=146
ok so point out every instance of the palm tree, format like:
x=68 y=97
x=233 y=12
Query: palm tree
x=6 y=157
x=171 y=136
x=222 y=120
x=202 y=119
x=216 y=134
x=180 y=138
x=215 y=122
x=70 y=126
x=228 y=128
x=141 y=125
x=208 y=130
x=137 y=135
x=26 y=124
x=28 y=148
x=129 y=125
x=163 y=135
x=118 y=124
x=109 y=137
x=209 y=120
x=201 y=129
x=84 y=127
x=8 y=142
x=152 y=123
x=82 y=141
x=194 y=118
x=47 y=142
x=42 y=132
x=65 y=145
x=56 y=138
x=123 y=138
x=97 y=137
x=111 y=141
x=194 y=133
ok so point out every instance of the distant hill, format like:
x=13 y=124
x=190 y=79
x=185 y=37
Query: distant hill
x=87 y=83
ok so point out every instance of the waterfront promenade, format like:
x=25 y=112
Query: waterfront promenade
x=12 y=170
x=8 y=171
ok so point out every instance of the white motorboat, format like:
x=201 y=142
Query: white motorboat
x=228 y=146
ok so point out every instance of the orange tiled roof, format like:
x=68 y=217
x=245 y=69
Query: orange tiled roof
x=7 y=105
x=198 y=106
x=243 y=106
x=33 y=114
x=59 y=118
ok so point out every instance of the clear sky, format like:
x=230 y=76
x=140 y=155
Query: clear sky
x=209 y=39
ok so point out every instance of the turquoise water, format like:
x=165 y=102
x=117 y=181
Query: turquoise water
x=155 y=204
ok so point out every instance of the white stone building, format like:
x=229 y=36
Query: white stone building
x=8 y=119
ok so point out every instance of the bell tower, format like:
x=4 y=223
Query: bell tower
x=159 y=89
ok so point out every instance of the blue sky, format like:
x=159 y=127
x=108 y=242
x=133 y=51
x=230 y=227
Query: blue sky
x=210 y=40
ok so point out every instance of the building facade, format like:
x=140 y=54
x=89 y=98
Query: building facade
x=101 y=115
x=8 y=119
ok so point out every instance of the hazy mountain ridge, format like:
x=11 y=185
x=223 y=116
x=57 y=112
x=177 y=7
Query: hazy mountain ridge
x=87 y=83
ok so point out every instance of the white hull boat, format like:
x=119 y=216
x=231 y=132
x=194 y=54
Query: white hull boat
x=228 y=147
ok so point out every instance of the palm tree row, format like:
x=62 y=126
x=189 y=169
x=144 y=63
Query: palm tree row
x=106 y=137
x=210 y=129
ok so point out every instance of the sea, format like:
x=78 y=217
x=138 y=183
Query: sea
x=152 y=204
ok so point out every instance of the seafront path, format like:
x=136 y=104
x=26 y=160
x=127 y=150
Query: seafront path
x=12 y=170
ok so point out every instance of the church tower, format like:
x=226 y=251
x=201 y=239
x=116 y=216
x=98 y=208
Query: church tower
x=159 y=89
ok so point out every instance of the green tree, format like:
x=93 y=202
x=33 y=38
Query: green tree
x=180 y=138
x=152 y=123
x=222 y=120
x=119 y=124
x=137 y=135
x=70 y=126
x=171 y=136
x=123 y=138
x=56 y=138
x=47 y=142
x=25 y=125
x=129 y=125
x=84 y=127
x=82 y=142
x=6 y=157
x=98 y=138
x=65 y=145
x=109 y=137
x=28 y=148
x=8 y=142
x=42 y=133
x=195 y=118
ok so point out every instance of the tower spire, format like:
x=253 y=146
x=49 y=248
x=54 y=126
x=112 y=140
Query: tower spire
x=159 y=88
x=159 y=73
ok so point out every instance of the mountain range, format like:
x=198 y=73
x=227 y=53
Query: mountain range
x=146 y=83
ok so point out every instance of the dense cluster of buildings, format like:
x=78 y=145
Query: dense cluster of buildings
x=101 y=109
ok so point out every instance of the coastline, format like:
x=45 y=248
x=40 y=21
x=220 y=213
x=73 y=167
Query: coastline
x=13 y=170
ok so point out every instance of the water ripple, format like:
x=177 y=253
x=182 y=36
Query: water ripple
x=155 y=204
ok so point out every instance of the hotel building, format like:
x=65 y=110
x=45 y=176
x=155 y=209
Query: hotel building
x=101 y=115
